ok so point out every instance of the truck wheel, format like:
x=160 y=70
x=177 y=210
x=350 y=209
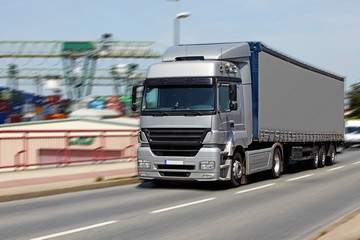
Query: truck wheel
x=322 y=156
x=276 y=163
x=238 y=176
x=315 y=160
x=332 y=153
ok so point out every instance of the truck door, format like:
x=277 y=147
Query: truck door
x=230 y=116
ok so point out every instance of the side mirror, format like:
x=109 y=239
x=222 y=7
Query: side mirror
x=133 y=98
x=232 y=92
x=233 y=106
x=232 y=97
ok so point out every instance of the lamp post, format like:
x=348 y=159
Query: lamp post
x=13 y=81
x=177 y=18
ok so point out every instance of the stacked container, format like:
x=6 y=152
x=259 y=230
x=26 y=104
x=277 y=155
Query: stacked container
x=97 y=104
x=16 y=106
x=11 y=105
x=113 y=103
x=4 y=110
x=28 y=101
x=65 y=106
x=15 y=118
x=76 y=105
x=126 y=102
x=11 y=94
x=4 y=107
x=53 y=99
x=53 y=107
x=39 y=102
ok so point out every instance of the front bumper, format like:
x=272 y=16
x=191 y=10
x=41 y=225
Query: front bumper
x=179 y=168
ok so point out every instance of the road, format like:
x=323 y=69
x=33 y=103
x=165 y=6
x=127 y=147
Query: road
x=298 y=204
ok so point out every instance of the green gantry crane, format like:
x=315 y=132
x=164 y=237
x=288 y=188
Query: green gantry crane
x=79 y=59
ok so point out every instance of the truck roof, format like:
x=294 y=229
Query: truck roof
x=292 y=60
x=214 y=51
x=232 y=51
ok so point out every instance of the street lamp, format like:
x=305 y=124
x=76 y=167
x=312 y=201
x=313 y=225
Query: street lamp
x=177 y=18
x=52 y=82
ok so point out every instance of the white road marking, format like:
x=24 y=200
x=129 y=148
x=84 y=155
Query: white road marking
x=358 y=162
x=297 y=178
x=255 y=188
x=182 y=205
x=75 y=230
x=333 y=169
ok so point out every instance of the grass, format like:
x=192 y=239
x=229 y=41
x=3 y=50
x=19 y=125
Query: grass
x=99 y=179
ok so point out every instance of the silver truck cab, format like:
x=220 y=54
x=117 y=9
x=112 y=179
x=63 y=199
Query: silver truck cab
x=195 y=109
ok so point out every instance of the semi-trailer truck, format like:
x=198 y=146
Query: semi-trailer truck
x=221 y=112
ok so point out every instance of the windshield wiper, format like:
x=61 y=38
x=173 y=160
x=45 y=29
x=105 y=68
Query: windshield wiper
x=192 y=113
x=177 y=107
x=160 y=113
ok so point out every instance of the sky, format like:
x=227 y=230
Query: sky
x=322 y=33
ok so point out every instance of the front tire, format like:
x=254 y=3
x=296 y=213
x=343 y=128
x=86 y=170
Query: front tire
x=238 y=176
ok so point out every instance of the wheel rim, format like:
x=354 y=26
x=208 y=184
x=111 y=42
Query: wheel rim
x=237 y=169
x=316 y=158
x=332 y=156
x=323 y=159
x=277 y=162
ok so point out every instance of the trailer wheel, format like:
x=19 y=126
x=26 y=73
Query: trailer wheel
x=332 y=153
x=276 y=163
x=238 y=176
x=315 y=161
x=322 y=156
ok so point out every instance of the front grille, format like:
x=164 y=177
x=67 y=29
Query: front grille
x=175 y=142
x=176 y=151
x=175 y=174
x=177 y=167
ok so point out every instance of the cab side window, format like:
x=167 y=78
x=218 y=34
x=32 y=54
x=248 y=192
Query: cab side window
x=224 y=102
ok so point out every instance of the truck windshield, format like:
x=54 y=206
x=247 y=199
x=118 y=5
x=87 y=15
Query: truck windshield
x=353 y=130
x=179 y=98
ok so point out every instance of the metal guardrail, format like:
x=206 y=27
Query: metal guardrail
x=26 y=148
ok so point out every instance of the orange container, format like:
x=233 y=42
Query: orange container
x=38 y=109
x=59 y=116
x=47 y=116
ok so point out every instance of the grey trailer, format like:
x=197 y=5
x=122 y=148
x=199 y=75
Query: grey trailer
x=213 y=112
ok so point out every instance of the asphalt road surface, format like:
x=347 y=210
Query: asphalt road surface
x=301 y=202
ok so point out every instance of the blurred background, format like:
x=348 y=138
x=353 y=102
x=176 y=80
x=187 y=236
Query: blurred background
x=57 y=57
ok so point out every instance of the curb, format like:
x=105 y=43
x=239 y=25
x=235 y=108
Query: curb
x=327 y=230
x=92 y=186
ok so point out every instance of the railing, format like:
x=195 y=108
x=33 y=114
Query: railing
x=23 y=149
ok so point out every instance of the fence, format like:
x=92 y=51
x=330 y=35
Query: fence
x=22 y=149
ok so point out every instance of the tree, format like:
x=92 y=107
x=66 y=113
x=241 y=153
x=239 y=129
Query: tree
x=353 y=97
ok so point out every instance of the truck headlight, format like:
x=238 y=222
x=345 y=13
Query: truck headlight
x=207 y=165
x=144 y=164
